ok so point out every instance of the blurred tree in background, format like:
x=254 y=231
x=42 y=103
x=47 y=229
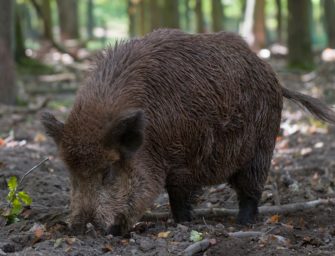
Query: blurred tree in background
x=68 y=19
x=299 y=34
x=7 y=77
x=217 y=15
x=302 y=28
x=329 y=21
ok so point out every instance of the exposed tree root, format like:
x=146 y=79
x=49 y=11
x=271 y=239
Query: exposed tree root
x=219 y=212
x=6 y=110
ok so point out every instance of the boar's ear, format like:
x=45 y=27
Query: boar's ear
x=53 y=127
x=125 y=133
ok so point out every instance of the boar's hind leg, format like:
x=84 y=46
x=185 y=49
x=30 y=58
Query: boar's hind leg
x=248 y=184
x=181 y=199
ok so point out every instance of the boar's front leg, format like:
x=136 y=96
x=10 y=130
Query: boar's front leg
x=181 y=199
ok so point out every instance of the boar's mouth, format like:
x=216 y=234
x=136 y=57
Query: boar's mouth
x=120 y=226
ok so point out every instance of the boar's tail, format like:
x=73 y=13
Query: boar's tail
x=313 y=105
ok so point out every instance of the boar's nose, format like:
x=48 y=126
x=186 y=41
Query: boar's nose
x=87 y=228
x=115 y=230
x=78 y=228
x=79 y=223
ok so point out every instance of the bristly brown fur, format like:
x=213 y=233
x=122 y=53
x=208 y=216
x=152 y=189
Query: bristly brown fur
x=211 y=110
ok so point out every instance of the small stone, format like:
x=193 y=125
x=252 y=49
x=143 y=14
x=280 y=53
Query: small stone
x=146 y=245
x=219 y=226
x=134 y=252
x=306 y=151
x=7 y=248
x=182 y=227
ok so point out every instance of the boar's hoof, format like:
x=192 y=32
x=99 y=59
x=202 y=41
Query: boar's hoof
x=183 y=215
x=78 y=228
x=115 y=230
x=246 y=217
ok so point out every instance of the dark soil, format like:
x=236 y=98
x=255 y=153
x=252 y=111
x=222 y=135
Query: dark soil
x=303 y=170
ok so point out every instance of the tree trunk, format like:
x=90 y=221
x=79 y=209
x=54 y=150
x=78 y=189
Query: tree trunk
x=259 y=25
x=299 y=36
x=7 y=74
x=217 y=15
x=43 y=10
x=187 y=15
x=47 y=22
x=279 y=18
x=90 y=19
x=131 y=18
x=171 y=14
x=199 y=16
x=137 y=17
x=19 y=38
x=155 y=14
x=68 y=19
x=329 y=21
x=248 y=21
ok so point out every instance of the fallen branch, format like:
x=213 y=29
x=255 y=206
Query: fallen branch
x=219 y=212
x=32 y=169
x=57 y=77
x=6 y=110
x=62 y=49
x=244 y=234
x=196 y=247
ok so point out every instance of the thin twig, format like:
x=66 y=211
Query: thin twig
x=24 y=176
x=32 y=169
x=275 y=193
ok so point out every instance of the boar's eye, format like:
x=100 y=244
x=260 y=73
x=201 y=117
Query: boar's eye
x=108 y=176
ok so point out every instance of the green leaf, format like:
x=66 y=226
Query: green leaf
x=12 y=183
x=16 y=207
x=25 y=198
x=10 y=197
x=58 y=242
x=12 y=219
x=196 y=236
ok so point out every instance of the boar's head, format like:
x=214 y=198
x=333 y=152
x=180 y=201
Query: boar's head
x=100 y=152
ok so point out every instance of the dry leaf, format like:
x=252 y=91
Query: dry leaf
x=2 y=142
x=39 y=137
x=163 y=234
x=306 y=151
x=279 y=138
x=288 y=226
x=38 y=232
x=26 y=213
x=212 y=241
x=273 y=219
x=124 y=241
x=107 y=248
x=70 y=240
x=58 y=242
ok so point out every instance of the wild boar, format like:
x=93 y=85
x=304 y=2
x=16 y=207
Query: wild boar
x=176 y=111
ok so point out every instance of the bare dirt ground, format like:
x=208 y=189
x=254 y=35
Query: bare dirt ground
x=303 y=170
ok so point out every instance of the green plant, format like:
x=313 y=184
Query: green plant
x=196 y=236
x=15 y=198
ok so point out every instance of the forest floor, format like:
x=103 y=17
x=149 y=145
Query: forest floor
x=303 y=169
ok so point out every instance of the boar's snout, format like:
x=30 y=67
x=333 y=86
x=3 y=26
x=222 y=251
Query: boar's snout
x=80 y=225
